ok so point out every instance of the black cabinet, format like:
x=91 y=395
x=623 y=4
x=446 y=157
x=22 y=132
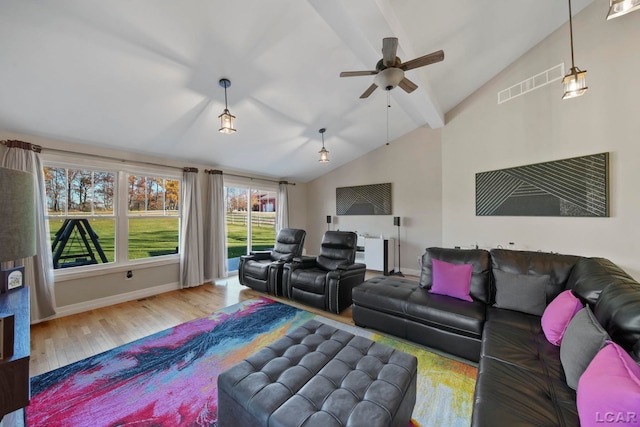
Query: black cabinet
x=14 y=370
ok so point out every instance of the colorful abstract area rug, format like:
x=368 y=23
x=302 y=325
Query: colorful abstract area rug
x=169 y=378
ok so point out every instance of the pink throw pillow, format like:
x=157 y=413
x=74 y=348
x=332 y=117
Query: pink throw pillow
x=453 y=280
x=558 y=314
x=609 y=390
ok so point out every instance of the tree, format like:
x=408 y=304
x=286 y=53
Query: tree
x=103 y=188
x=55 y=187
x=172 y=187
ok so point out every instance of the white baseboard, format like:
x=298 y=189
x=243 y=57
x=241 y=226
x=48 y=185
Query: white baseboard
x=80 y=307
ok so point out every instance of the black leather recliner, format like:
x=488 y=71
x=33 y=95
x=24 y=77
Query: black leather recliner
x=262 y=270
x=326 y=281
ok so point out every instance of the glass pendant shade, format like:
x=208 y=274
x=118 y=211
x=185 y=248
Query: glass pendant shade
x=226 y=119
x=226 y=122
x=622 y=7
x=324 y=155
x=574 y=83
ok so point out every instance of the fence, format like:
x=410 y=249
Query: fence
x=258 y=219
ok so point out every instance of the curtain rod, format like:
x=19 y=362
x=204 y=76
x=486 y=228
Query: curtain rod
x=57 y=150
x=215 y=171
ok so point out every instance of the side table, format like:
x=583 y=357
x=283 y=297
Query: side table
x=14 y=371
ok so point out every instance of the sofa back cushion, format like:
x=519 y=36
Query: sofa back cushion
x=289 y=244
x=338 y=249
x=478 y=258
x=556 y=266
x=591 y=275
x=618 y=311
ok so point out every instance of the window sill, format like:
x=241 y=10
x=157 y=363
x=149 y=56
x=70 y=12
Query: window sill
x=104 y=269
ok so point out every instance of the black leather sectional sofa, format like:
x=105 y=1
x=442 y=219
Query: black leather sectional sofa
x=521 y=380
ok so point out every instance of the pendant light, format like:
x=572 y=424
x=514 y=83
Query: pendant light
x=226 y=119
x=324 y=154
x=574 y=83
x=622 y=7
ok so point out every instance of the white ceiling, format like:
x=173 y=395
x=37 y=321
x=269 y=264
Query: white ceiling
x=143 y=75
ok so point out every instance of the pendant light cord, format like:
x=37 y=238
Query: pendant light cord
x=571 y=35
x=225 y=98
x=388 y=106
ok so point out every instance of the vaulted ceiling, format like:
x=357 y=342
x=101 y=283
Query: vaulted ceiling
x=143 y=75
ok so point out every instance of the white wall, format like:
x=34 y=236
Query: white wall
x=482 y=136
x=412 y=164
x=87 y=291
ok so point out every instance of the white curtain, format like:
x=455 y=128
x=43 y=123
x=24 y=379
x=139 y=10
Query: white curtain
x=38 y=268
x=215 y=252
x=282 y=206
x=191 y=243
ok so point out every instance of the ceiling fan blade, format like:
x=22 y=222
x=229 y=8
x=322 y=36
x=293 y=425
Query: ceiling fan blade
x=407 y=85
x=431 y=58
x=358 y=73
x=389 y=50
x=369 y=90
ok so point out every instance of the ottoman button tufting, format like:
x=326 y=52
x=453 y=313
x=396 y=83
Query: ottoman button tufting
x=341 y=379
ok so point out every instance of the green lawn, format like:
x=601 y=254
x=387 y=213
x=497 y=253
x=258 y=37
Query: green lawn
x=159 y=236
x=263 y=233
x=147 y=237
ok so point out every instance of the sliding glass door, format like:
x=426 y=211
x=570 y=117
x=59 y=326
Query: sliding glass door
x=251 y=221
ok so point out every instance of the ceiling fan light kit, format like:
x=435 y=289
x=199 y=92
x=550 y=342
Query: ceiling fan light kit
x=574 y=84
x=622 y=7
x=389 y=71
x=226 y=119
x=324 y=154
x=389 y=78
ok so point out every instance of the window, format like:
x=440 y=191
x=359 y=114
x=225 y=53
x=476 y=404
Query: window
x=153 y=216
x=81 y=216
x=102 y=216
x=251 y=220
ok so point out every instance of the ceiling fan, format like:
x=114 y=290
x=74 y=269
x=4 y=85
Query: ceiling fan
x=389 y=71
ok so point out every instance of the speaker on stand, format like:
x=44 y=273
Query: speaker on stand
x=328 y=222
x=396 y=222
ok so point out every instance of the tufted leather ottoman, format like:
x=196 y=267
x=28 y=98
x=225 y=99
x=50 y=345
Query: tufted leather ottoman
x=318 y=375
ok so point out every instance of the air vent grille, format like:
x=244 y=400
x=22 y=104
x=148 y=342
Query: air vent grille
x=542 y=79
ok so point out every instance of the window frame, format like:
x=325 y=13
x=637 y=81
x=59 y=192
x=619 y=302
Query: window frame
x=122 y=170
x=248 y=184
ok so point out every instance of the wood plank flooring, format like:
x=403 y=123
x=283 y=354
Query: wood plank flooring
x=62 y=341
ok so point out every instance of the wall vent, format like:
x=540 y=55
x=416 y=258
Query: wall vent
x=544 y=78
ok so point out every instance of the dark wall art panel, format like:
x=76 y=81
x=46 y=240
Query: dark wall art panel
x=570 y=187
x=372 y=199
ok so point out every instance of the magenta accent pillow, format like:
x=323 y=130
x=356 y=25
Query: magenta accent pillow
x=609 y=390
x=558 y=314
x=449 y=279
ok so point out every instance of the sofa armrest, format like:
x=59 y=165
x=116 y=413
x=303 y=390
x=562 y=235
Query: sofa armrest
x=259 y=255
x=352 y=267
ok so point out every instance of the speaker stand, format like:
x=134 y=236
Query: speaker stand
x=399 y=272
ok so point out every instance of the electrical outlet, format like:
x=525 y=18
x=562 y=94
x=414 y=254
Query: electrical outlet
x=129 y=275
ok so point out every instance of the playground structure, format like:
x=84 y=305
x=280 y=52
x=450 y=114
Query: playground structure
x=76 y=244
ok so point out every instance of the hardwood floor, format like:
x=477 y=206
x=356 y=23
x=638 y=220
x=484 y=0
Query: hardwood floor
x=62 y=341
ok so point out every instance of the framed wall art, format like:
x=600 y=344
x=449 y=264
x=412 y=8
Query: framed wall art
x=374 y=199
x=577 y=187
